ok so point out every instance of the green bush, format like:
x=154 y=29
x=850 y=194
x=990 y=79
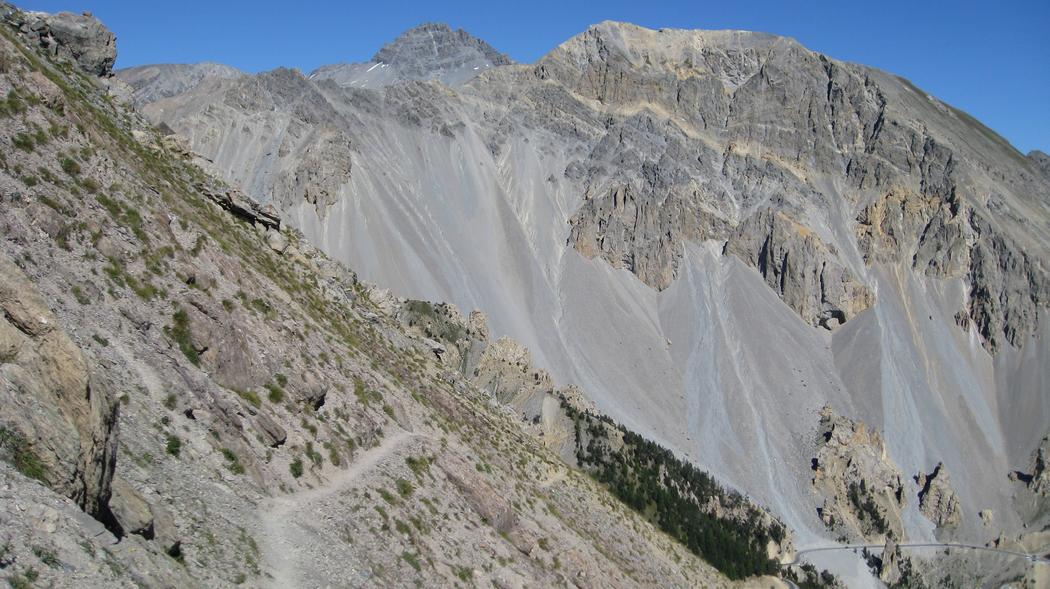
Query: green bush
x=47 y=556
x=91 y=185
x=79 y=295
x=412 y=560
x=251 y=397
x=70 y=166
x=275 y=394
x=174 y=446
x=180 y=333
x=313 y=454
x=296 y=468
x=13 y=104
x=418 y=465
x=233 y=462
x=23 y=142
x=15 y=449
x=366 y=397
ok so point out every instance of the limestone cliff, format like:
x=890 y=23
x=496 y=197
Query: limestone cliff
x=861 y=489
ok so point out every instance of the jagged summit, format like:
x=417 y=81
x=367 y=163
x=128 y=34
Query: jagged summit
x=431 y=51
x=435 y=44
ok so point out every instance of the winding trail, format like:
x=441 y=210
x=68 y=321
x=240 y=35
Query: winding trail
x=279 y=541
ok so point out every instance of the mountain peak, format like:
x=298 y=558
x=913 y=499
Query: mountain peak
x=430 y=51
x=431 y=47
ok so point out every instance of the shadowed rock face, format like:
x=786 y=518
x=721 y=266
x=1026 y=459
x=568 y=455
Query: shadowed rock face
x=664 y=217
x=1040 y=475
x=802 y=269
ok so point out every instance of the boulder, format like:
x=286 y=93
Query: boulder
x=243 y=206
x=273 y=434
x=130 y=510
x=277 y=241
x=87 y=40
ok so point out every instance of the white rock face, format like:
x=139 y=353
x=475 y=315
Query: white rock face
x=505 y=194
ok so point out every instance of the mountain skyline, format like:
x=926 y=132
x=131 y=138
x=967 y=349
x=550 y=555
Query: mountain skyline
x=934 y=49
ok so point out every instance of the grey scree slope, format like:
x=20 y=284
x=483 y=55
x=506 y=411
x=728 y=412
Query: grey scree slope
x=713 y=233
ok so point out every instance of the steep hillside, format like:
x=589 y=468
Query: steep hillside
x=715 y=234
x=193 y=395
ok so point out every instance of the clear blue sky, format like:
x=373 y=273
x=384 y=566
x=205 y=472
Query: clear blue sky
x=991 y=59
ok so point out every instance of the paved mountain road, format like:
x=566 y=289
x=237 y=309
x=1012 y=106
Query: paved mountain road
x=1034 y=558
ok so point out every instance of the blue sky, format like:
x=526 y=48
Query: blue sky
x=989 y=59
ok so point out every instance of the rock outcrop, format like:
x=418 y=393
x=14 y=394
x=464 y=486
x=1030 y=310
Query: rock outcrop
x=862 y=489
x=80 y=38
x=801 y=268
x=57 y=417
x=506 y=371
x=457 y=341
x=238 y=203
x=1040 y=473
x=890 y=570
x=937 y=499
